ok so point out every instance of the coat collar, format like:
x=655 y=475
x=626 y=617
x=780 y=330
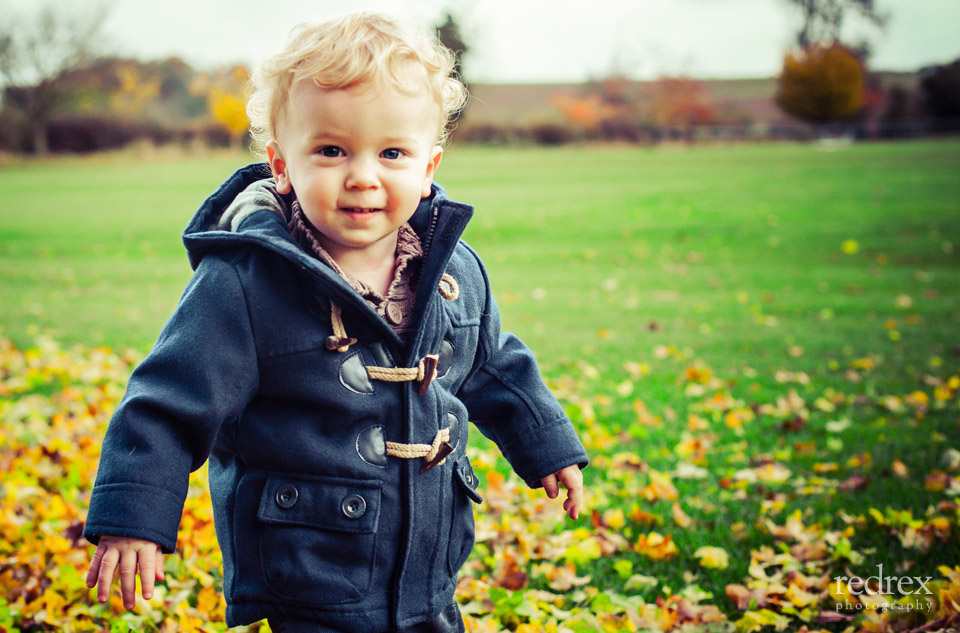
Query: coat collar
x=438 y=221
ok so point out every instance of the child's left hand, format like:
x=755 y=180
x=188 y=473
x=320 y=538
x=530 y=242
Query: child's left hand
x=572 y=480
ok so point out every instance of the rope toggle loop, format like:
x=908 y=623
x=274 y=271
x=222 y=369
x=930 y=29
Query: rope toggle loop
x=435 y=453
x=449 y=288
x=425 y=372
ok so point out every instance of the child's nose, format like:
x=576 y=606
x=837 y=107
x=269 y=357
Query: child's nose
x=362 y=175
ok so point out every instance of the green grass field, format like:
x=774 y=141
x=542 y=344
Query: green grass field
x=712 y=311
x=587 y=247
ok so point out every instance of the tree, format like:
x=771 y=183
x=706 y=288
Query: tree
x=823 y=19
x=36 y=53
x=681 y=102
x=821 y=84
x=226 y=94
x=450 y=36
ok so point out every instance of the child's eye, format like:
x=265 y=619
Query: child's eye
x=392 y=153
x=330 y=151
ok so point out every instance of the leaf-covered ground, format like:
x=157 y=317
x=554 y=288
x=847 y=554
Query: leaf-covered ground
x=711 y=533
x=758 y=345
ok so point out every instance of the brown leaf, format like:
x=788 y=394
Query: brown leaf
x=853 y=482
x=794 y=424
x=74 y=532
x=936 y=481
x=810 y=551
x=565 y=577
x=827 y=617
x=596 y=519
x=743 y=597
x=510 y=575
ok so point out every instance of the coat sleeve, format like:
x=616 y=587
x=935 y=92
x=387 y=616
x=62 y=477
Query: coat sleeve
x=201 y=372
x=508 y=401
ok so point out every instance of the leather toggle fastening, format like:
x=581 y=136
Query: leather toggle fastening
x=444 y=450
x=429 y=363
x=339 y=344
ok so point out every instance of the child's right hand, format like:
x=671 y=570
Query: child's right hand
x=128 y=553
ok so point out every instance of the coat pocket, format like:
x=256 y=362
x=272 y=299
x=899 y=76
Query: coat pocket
x=461 y=523
x=318 y=536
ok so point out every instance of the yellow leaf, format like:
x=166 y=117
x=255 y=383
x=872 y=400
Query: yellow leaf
x=582 y=552
x=614 y=519
x=800 y=597
x=680 y=517
x=614 y=623
x=660 y=488
x=712 y=557
x=207 y=600
x=757 y=620
x=656 y=546
x=900 y=469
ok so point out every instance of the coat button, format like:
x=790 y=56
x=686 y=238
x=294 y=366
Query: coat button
x=286 y=496
x=467 y=475
x=353 y=506
x=394 y=313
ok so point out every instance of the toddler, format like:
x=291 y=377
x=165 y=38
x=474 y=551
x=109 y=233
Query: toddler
x=326 y=356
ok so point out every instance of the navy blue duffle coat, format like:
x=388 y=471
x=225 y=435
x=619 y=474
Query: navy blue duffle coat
x=313 y=519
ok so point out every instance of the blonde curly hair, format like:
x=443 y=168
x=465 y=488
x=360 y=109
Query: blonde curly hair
x=355 y=49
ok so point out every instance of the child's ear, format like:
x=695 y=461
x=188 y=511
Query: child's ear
x=432 y=165
x=279 y=168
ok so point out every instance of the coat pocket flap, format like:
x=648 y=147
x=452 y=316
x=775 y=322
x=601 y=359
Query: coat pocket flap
x=328 y=503
x=468 y=480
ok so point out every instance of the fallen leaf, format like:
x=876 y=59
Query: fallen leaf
x=853 y=482
x=712 y=557
x=680 y=517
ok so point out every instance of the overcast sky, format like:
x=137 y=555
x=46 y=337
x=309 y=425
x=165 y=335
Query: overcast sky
x=542 y=40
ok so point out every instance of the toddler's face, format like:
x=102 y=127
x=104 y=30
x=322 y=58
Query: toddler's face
x=359 y=160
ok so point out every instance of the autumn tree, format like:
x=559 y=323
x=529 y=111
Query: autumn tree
x=226 y=94
x=134 y=90
x=821 y=83
x=822 y=20
x=681 y=102
x=588 y=111
x=36 y=53
x=606 y=109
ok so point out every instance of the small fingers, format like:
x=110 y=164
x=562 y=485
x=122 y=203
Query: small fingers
x=95 y=565
x=159 y=559
x=572 y=503
x=147 y=557
x=128 y=577
x=550 y=486
x=108 y=564
x=572 y=480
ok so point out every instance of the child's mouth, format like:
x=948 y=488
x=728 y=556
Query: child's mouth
x=359 y=210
